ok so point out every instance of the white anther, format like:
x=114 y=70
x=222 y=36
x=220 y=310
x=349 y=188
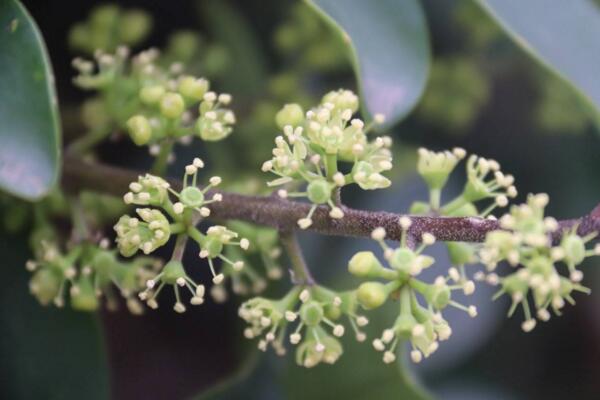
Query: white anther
x=378 y=234
x=404 y=222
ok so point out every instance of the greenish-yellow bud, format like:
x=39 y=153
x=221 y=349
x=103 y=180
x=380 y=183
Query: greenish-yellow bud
x=45 y=285
x=574 y=248
x=371 y=295
x=152 y=94
x=363 y=264
x=172 y=105
x=290 y=114
x=193 y=88
x=134 y=26
x=461 y=253
x=140 y=130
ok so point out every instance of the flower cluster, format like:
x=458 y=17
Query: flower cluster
x=156 y=105
x=316 y=311
x=87 y=272
x=484 y=181
x=316 y=141
x=260 y=261
x=108 y=26
x=156 y=225
x=526 y=242
x=423 y=326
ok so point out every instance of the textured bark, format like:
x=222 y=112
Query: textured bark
x=283 y=214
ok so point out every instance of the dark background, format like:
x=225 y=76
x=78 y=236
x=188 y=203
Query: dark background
x=163 y=355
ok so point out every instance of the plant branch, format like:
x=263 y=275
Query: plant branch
x=283 y=214
x=301 y=274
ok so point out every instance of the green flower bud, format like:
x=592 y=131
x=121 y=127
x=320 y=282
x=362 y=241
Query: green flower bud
x=574 y=248
x=193 y=88
x=140 y=130
x=172 y=105
x=290 y=114
x=364 y=264
x=371 y=295
x=79 y=36
x=461 y=253
x=134 y=26
x=319 y=191
x=183 y=45
x=311 y=313
x=45 y=285
x=151 y=94
x=104 y=16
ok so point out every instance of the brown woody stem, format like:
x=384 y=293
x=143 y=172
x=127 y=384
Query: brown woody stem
x=284 y=214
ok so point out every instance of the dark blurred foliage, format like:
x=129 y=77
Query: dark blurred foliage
x=163 y=355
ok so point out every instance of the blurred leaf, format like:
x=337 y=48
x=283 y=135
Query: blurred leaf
x=389 y=42
x=246 y=66
x=562 y=35
x=29 y=127
x=240 y=385
x=359 y=374
x=46 y=353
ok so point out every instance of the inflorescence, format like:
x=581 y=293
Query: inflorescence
x=316 y=141
x=308 y=161
x=155 y=225
x=156 y=105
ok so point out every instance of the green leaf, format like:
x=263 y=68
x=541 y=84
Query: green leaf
x=562 y=35
x=29 y=125
x=47 y=353
x=389 y=43
x=359 y=374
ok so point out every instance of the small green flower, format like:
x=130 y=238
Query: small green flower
x=314 y=143
x=193 y=88
x=172 y=274
x=214 y=122
x=526 y=243
x=148 y=190
x=423 y=326
x=435 y=168
x=139 y=129
x=317 y=311
x=172 y=105
x=147 y=234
